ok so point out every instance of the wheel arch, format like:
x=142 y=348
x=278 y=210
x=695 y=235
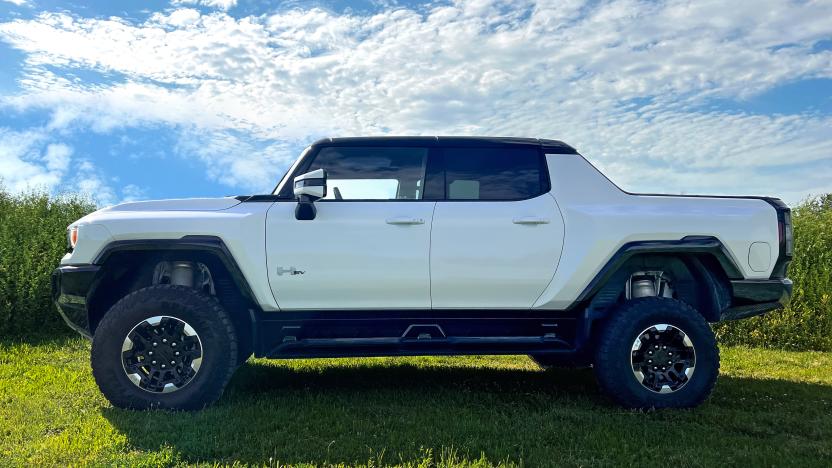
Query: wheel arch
x=701 y=268
x=128 y=265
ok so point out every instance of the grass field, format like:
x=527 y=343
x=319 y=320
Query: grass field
x=769 y=408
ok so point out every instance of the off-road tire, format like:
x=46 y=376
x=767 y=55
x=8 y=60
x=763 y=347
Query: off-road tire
x=202 y=312
x=613 y=367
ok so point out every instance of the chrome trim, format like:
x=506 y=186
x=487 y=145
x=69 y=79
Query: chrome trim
x=189 y=330
x=135 y=378
x=127 y=345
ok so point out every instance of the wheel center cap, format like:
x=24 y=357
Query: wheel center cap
x=161 y=354
x=663 y=358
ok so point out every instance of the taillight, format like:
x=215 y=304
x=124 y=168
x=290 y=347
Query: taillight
x=785 y=238
x=788 y=233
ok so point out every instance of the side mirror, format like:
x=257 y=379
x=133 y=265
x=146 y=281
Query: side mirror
x=308 y=188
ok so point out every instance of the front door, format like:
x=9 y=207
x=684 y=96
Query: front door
x=368 y=246
x=497 y=237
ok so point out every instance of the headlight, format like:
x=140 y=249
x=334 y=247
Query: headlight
x=71 y=238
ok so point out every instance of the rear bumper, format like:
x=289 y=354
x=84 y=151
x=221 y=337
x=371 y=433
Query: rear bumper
x=756 y=297
x=71 y=285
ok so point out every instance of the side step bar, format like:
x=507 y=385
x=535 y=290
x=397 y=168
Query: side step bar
x=295 y=334
x=355 y=347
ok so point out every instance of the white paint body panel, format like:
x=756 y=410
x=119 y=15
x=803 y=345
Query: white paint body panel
x=241 y=227
x=351 y=257
x=183 y=204
x=481 y=258
x=462 y=254
x=600 y=219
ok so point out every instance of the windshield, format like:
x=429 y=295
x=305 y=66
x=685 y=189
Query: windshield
x=291 y=169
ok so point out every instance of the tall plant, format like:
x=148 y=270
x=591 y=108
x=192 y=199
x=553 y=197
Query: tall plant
x=32 y=241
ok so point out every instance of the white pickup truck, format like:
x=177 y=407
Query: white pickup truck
x=422 y=246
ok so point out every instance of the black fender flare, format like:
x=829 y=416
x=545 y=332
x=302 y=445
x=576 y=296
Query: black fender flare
x=690 y=246
x=212 y=245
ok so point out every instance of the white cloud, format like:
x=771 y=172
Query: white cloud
x=57 y=157
x=89 y=182
x=238 y=162
x=245 y=91
x=29 y=161
x=219 y=4
x=17 y=2
x=23 y=165
x=132 y=192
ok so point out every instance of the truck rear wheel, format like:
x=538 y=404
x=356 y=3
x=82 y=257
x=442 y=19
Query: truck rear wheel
x=656 y=352
x=164 y=346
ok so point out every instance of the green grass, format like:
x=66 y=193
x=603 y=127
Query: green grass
x=769 y=408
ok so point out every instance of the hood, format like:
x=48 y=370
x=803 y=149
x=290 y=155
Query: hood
x=183 y=204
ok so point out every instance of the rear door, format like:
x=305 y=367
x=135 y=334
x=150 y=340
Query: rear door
x=367 y=248
x=497 y=235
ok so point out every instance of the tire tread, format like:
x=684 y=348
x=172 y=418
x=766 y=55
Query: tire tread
x=116 y=391
x=620 y=325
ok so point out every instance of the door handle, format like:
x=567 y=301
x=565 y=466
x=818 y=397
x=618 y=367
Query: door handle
x=404 y=220
x=530 y=220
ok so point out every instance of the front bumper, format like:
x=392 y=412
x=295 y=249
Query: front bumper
x=71 y=285
x=756 y=297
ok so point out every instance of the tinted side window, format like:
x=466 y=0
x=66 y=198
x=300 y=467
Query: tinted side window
x=372 y=173
x=492 y=173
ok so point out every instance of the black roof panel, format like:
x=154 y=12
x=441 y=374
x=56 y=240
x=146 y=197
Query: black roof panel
x=459 y=141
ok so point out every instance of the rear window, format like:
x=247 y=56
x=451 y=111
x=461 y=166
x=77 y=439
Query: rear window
x=493 y=173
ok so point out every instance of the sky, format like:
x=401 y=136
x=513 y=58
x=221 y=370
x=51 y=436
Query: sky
x=138 y=100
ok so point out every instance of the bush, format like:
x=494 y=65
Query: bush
x=32 y=241
x=807 y=323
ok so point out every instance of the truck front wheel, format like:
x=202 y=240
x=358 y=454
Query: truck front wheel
x=656 y=352
x=164 y=346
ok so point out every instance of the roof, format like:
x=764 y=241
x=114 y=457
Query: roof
x=458 y=141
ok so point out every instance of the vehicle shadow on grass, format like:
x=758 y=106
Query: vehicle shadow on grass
x=364 y=412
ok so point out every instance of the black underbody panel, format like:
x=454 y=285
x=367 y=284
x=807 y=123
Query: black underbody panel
x=70 y=287
x=755 y=297
x=292 y=334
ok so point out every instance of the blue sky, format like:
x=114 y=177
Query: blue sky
x=137 y=100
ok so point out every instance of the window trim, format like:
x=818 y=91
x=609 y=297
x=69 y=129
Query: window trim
x=436 y=155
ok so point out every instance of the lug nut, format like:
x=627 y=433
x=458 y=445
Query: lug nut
x=150 y=353
x=155 y=344
x=177 y=353
x=153 y=362
x=649 y=360
x=164 y=340
x=163 y=366
x=173 y=344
